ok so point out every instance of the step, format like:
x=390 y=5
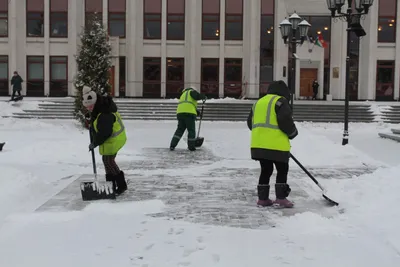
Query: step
x=44 y=117
x=390 y=136
x=395 y=131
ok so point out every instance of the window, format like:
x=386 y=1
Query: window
x=58 y=76
x=116 y=18
x=175 y=76
x=93 y=12
x=35 y=18
x=234 y=20
x=59 y=18
x=35 y=80
x=210 y=77
x=210 y=20
x=387 y=21
x=122 y=76
x=267 y=36
x=176 y=20
x=384 y=80
x=233 y=77
x=4 y=75
x=4 y=18
x=152 y=77
x=152 y=19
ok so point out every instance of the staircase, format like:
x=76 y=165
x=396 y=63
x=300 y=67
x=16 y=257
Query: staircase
x=395 y=135
x=391 y=115
x=213 y=111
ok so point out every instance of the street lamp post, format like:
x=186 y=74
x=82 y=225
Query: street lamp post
x=353 y=25
x=289 y=28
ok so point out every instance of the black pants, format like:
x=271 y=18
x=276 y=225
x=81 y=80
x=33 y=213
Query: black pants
x=185 y=122
x=315 y=95
x=15 y=91
x=267 y=168
x=110 y=165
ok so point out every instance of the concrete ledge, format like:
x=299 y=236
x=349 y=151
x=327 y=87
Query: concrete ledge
x=396 y=131
x=390 y=136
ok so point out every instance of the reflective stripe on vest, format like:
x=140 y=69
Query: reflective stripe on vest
x=265 y=133
x=267 y=123
x=121 y=125
x=187 y=92
x=187 y=104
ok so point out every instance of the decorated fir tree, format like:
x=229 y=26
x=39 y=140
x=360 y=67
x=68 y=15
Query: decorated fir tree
x=93 y=64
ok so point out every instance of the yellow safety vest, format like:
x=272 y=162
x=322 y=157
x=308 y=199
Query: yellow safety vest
x=117 y=139
x=265 y=133
x=187 y=104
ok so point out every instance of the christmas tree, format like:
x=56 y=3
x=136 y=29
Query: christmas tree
x=93 y=64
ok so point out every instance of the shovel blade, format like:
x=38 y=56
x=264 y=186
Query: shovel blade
x=199 y=141
x=334 y=203
x=1 y=146
x=95 y=190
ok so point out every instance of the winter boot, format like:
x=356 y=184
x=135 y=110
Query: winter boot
x=111 y=178
x=263 y=195
x=282 y=191
x=121 y=183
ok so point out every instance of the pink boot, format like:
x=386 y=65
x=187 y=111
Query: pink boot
x=263 y=196
x=283 y=203
x=282 y=191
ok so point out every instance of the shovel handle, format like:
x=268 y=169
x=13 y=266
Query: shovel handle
x=307 y=172
x=93 y=156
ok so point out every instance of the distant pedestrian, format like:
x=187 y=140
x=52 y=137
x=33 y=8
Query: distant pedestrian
x=16 y=82
x=315 y=87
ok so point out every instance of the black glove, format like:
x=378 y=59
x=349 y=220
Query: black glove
x=199 y=113
x=92 y=146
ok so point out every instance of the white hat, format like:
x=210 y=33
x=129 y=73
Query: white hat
x=89 y=97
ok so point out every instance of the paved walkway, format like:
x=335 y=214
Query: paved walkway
x=205 y=192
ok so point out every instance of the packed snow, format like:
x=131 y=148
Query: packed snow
x=41 y=158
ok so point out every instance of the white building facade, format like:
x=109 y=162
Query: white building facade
x=224 y=48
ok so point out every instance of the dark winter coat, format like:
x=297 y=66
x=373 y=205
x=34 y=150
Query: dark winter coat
x=16 y=82
x=285 y=123
x=315 y=86
x=104 y=106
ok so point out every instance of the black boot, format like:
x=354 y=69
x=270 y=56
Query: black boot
x=121 y=183
x=111 y=178
x=263 y=195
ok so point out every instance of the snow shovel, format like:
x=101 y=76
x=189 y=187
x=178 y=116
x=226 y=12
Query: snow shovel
x=200 y=140
x=315 y=181
x=96 y=190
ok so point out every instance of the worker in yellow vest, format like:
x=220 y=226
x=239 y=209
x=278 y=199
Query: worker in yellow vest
x=272 y=126
x=186 y=114
x=108 y=133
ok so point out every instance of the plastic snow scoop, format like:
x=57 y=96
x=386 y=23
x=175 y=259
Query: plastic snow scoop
x=96 y=190
x=200 y=140
x=1 y=146
x=315 y=181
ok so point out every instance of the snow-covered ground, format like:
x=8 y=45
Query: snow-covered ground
x=43 y=157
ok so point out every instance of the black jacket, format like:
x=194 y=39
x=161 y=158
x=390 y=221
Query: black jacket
x=285 y=123
x=16 y=82
x=104 y=109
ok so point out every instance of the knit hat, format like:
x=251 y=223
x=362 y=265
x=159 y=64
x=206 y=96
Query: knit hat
x=89 y=97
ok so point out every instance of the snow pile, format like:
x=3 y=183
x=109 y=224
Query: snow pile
x=121 y=234
x=313 y=149
x=41 y=158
